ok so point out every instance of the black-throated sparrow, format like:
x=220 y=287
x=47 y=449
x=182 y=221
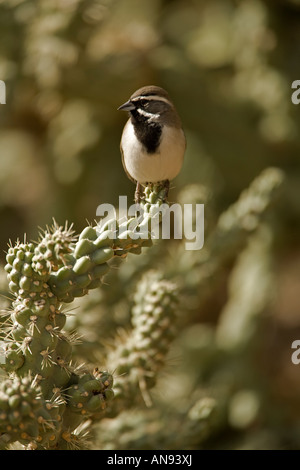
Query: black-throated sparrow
x=153 y=142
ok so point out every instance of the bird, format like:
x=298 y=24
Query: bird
x=153 y=142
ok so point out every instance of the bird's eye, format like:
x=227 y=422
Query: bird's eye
x=143 y=103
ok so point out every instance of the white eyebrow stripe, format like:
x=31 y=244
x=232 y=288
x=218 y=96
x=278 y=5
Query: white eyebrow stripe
x=149 y=115
x=152 y=98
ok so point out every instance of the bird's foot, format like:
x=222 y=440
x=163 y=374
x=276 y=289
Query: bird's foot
x=138 y=193
x=167 y=187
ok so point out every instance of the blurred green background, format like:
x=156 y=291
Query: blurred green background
x=228 y=66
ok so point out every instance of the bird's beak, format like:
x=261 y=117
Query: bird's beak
x=128 y=106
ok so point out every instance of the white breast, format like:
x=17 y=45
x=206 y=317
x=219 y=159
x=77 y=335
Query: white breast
x=153 y=167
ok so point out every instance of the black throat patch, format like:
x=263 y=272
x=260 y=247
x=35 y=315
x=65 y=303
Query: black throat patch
x=148 y=133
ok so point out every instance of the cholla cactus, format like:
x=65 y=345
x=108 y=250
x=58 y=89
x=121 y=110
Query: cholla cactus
x=146 y=430
x=46 y=401
x=52 y=395
x=141 y=353
x=26 y=415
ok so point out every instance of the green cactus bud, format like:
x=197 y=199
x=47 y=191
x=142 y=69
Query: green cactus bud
x=63 y=273
x=14 y=358
x=56 y=243
x=14 y=275
x=102 y=255
x=76 y=292
x=25 y=415
x=13 y=287
x=61 y=287
x=82 y=265
x=96 y=402
x=89 y=233
x=100 y=270
x=84 y=247
x=22 y=314
x=88 y=395
x=27 y=270
x=83 y=280
x=25 y=283
x=19 y=332
x=104 y=239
